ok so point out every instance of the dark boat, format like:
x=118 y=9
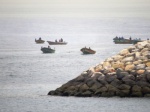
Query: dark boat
x=47 y=50
x=56 y=43
x=88 y=51
x=39 y=41
x=125 y=41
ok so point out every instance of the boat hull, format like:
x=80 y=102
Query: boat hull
x=47 y=50
x=126 y=41
x=88 y=51
x=56 y=43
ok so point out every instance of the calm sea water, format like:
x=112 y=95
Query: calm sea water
x=27 y=75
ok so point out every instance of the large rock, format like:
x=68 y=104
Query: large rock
x=124 y=52
x=130 y=67
x=117 y=57
x=117 y=65
x=130 y=59
x=126 y=74
x=140 y=66
x=120 y=75
x=148 y=64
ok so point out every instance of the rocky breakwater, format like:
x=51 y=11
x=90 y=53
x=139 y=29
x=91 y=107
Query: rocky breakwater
x=126 y=74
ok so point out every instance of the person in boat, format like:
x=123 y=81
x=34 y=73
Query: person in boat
x=56 y=40
x=49 y=47
x=130 y=38
x=122 y=38
x=61 y=40
x=89 y=48
x=40 y=38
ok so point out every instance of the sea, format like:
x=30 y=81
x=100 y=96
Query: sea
x=27 y=75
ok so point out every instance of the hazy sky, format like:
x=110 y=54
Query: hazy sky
x=76 y=8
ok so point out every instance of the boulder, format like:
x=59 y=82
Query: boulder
x=141 y=77
x=139 y=46
x=126 y=74
x=87 y=94
x=145 y=90
x=137 y=62
x=124 y=87
x=120 y=75
x=128 y=63
x=147 y=68
x=140 y=66
x=143 y=50
x=139 y=72
x=123 y=93
x=136 y=88
x=95 y=86
x=130 y=67
x=83 y=88
x=117 y=57
x=148 y=75
x=147 y=95
x=137 y=54
x=124 y=52
x=117 y=65
x=110 y=78
x=103 y=89
x=148 y=64
x=130 y=59
x=111 y=88
x=129 y=82
x=116 y=83
x=142 y=84
x=102 y=80
x=137 y=94
x=107 y=94
x=106 y=65
x=98 y=68
x=131 y=48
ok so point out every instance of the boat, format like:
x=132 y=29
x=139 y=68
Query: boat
x=56 y=43
x=39 y=41
x=88 y=51
x=47 y=50
x=122 y=40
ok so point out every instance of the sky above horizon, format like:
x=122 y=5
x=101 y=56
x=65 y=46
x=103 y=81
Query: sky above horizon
x=75 y=8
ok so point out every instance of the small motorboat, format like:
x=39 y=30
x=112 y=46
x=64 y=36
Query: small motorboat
x=39 y=41
x=60 y=42
x=47 y=50
x=88 y=51
x=56 y=43
x=121 y=40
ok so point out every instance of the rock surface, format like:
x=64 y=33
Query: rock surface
x=126 y=74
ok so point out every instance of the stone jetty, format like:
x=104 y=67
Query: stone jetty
x=126 y=74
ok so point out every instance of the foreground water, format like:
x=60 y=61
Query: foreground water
x=27 y=75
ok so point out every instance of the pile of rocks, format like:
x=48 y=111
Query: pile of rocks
x=125 y=74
